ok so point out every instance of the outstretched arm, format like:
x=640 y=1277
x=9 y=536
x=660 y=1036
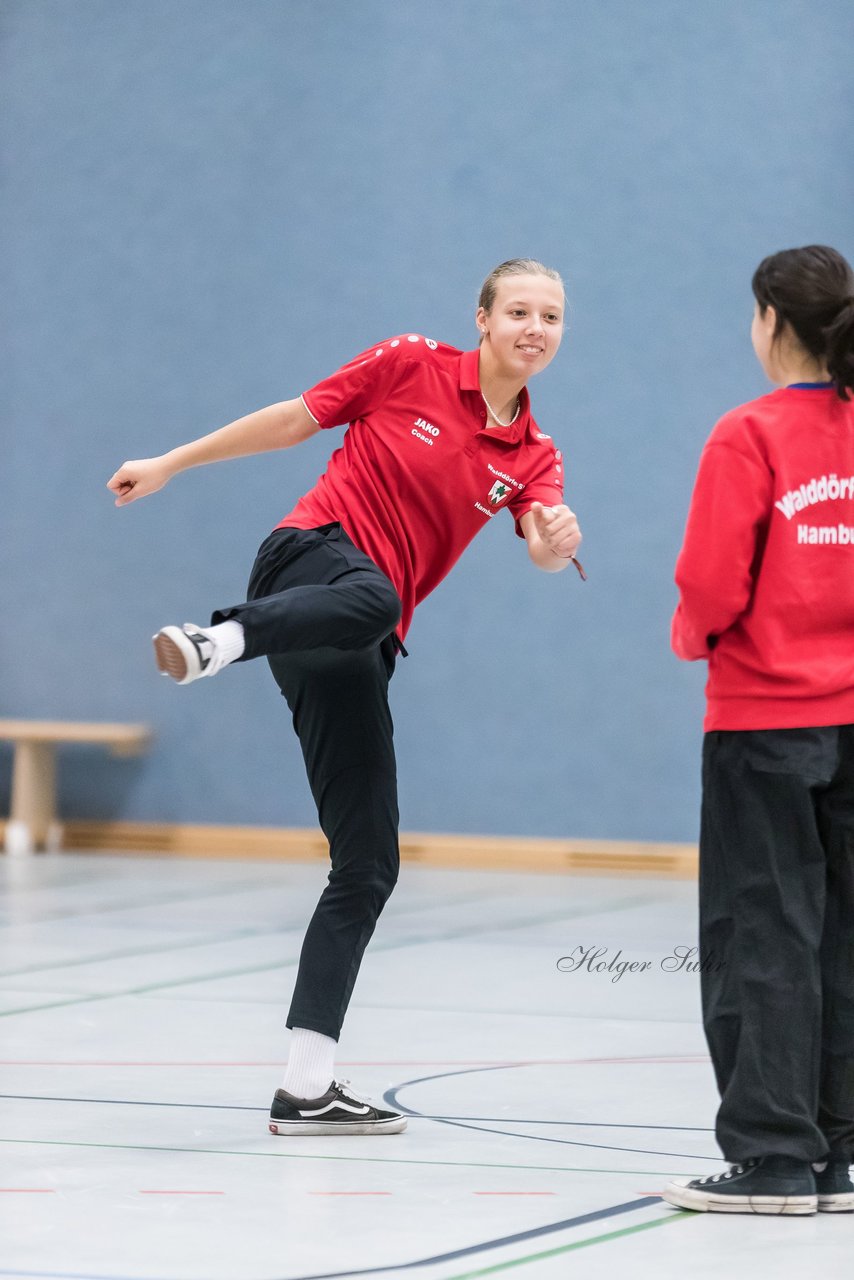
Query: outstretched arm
x=279 y=426
x=552 y=535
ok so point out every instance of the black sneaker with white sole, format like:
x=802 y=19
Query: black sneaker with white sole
x=772 y=1184
x=834 y=1186
x=338 y=1111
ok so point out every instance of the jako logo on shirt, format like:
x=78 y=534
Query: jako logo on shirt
x=421 y=427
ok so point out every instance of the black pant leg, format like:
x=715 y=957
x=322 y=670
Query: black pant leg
x=762 y=868
x=323 y=613
x=836 y=817
x=312 y=588
x=341 y=714
x=718 y=985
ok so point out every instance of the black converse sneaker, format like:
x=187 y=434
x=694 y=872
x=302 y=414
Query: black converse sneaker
x=773 y=1184
x=338 y=1111
x=185 y=653
x=834 y=1186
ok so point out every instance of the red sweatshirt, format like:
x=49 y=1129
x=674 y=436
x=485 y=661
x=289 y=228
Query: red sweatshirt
x=766 y=571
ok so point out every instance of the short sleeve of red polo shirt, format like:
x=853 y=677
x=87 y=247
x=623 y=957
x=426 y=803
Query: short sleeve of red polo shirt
x=356 y=388
x=545 y=484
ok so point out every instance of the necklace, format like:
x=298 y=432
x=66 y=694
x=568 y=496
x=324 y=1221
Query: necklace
x=495 y=416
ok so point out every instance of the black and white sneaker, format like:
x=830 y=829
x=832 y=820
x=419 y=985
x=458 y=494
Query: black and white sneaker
x=338 y=1111
x=834 y=1186
x=773 y=1184
x=186 y=653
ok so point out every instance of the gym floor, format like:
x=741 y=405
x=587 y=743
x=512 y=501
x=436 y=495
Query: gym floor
x=552 y=1089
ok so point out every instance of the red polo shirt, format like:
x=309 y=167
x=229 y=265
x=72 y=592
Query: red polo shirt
x=420 y=472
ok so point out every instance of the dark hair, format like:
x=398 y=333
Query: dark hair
x=812 y=291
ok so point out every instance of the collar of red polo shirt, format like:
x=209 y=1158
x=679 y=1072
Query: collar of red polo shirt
x=470 y=381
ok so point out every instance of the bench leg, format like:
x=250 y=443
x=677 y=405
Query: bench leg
x=18 y=839
x=33 y=796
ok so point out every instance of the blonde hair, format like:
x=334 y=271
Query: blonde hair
x=513 y=267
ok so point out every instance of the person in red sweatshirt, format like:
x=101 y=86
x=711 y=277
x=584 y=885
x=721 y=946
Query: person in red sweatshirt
x=439 y=442
x=766 y=596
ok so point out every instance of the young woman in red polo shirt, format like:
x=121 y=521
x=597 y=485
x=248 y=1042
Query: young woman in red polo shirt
x=438 y=442
x=766 y=595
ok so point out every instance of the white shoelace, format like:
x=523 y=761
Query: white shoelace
x=730 y=1173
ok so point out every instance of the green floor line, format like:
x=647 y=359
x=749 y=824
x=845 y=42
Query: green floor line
x=150 y=987
x=129 y=953
x=560 y=916
x=214 y=940
x=568 y=1248
x=291 y=1155
x=131 y=904
x=452 y=935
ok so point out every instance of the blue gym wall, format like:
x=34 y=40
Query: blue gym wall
x=210 y=205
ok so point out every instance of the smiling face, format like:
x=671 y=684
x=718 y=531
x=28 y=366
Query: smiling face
x=523 y=328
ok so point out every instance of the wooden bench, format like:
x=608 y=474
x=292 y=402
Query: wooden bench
x=33 y=820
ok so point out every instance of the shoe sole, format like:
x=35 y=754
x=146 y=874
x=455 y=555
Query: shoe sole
x=842 y=1202
x=170 y=659
x=703 y=1202
x=344 y=1128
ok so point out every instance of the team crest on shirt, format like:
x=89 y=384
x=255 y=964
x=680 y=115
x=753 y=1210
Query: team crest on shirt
x=503 y=487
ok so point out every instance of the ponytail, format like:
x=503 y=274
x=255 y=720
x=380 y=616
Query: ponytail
x=839 y=337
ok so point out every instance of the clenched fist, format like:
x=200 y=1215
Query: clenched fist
x=558 y=529
x=138 y=479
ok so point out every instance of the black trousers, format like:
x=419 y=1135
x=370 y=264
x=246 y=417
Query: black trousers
x=323 y=614
x=777 y=939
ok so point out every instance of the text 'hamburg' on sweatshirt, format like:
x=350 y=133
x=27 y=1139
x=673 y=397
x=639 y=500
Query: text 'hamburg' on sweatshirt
x=766 y=570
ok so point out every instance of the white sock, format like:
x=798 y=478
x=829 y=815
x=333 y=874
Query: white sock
x=311 y=1063
x=228 y=638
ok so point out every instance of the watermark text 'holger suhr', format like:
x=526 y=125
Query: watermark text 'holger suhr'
x=679 y=960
